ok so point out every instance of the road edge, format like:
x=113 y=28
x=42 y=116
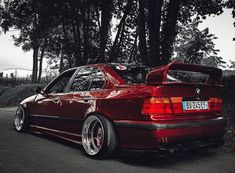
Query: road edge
x=8 y=109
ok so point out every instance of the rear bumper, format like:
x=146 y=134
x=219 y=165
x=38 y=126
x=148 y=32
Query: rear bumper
x=157 y=126
x=146 y=135
x=211 y=142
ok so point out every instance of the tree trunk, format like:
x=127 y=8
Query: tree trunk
x=76 y=44
x=106 y=16
x=154 y=23
x=98 y=17
x=35 y=63
x=142 y=32
x=65 y=35
x=169 y=30
x=120 y=41
x=40 y=64
x=121 y=26
x=86 y=34
x=35 y=46
x=134 y=49
x=61 y=67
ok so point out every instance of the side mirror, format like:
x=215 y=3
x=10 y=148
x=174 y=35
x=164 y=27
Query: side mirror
x=38 y=90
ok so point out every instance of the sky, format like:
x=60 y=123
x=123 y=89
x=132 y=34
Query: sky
x=222 y=26
x=12 y=56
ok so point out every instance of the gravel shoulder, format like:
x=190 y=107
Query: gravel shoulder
x=9 y=109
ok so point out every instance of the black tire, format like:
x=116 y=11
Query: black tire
x=21 y=120
x=99 y=138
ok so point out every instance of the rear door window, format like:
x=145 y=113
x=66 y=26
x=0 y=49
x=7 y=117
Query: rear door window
x=87 y=78
x=97 y=81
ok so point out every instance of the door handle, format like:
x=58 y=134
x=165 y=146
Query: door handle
x=86 y=98
x=56 y=101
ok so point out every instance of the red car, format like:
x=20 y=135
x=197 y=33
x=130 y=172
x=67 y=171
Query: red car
x=106 y=107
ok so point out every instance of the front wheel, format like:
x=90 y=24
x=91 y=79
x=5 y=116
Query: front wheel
x=21 y=121
x=98 y=137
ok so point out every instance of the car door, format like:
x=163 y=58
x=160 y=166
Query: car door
x=46 y=109
x=79 y=100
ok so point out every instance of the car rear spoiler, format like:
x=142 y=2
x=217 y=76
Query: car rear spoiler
x=158 y=75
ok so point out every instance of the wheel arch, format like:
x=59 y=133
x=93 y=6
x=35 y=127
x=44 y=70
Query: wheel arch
x=25 y=126
x=25 y=108
x=108 y=118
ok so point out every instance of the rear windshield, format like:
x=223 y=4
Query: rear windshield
x=186 y=76
x=132 y=74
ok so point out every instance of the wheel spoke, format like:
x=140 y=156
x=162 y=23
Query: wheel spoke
x=98 y=141
x=19 y=119
x=92 y=135
x=95 y=148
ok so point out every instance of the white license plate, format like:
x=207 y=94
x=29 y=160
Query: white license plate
x=195 y=105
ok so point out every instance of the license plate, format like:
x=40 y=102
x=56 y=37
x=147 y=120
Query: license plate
x=195 y=105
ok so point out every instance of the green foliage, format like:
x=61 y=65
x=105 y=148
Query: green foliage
x=200 y=8
x=1 y=13
x=128 y=33
x=13 y=96
x=232 y=66
x=195 y=46
x=231 y=4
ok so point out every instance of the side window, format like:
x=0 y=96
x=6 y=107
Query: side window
x=82 y=79
x=58 y=86
x=88 y=78
x=98 y=81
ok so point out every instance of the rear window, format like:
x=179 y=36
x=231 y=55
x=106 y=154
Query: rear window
x=131 y=74
x=186 y=76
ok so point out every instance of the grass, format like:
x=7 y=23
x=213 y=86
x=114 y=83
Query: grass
x=13 y=96
x=229 y=112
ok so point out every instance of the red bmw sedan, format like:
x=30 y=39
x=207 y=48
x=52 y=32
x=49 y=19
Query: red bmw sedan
x=106 y=107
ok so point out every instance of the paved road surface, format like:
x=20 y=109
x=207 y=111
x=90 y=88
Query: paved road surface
x=29 y=153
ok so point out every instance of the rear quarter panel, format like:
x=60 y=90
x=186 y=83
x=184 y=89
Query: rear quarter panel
x=121 y=103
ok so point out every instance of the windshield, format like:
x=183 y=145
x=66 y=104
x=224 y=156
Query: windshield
x=132 y=74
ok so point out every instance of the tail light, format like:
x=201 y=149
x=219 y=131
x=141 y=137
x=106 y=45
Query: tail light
x=164 y=107
x=215 y=104
x=157 y=105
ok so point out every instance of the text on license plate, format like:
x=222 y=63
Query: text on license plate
x=195 y=105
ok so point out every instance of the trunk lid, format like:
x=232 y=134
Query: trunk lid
x=194 y=90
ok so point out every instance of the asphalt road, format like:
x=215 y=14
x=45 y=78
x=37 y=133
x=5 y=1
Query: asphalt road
x=29 y=153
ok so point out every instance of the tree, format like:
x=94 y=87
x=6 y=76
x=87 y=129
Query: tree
x=30 y=19
x=154 y=24
x=81 y=32
x=195 y=46
x=106 y=16
x=169 y=31
x=120 y=32
x=183 y=11
x=231 y=4
x=142 y=31
x=232 y=66
x=1 y=14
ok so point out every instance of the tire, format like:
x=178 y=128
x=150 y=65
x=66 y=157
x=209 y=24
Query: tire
x=21 y=120
x=99 y=138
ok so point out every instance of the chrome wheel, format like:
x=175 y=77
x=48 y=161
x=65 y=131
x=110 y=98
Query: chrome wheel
x=92 y=135
x=19 y=119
